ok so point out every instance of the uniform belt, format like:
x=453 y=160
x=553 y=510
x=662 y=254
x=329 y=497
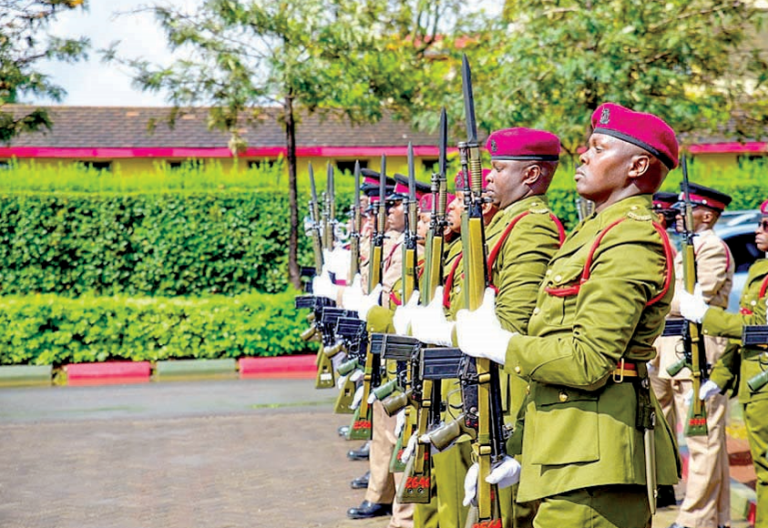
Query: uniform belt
x=624 y=369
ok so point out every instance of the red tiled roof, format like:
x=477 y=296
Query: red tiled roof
x=127 y=127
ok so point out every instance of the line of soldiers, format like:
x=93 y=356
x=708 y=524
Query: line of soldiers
x=509 y=375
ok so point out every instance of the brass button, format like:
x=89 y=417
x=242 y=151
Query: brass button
x=536 y=310
x=549 y=272
x=753 y=303
x=634 y=208
x=563 y=396
x=706 y=331
x=558 y=278
x=518 y=369
x=527 y=389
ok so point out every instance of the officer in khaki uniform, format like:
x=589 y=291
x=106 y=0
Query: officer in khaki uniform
x=707 y=502
x=599 y=310
x=739 y=364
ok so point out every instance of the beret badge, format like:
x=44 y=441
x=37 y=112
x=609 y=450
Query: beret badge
x=494 y=146
x=605 y=116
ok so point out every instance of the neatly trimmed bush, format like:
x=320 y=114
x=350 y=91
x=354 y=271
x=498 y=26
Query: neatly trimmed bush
x=143 y=244
x=54 y=330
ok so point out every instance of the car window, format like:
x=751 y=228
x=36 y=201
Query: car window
x=743 y=249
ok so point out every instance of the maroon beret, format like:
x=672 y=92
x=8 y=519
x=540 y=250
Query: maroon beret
x=764 y=208
x=646 y=131
x=523 y=144
x=425 y=204
x=459 y=180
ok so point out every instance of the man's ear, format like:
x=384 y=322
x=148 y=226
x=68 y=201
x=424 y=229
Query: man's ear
x=531 y=175
x=639 y=165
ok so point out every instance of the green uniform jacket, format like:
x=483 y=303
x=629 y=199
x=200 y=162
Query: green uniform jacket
x=453 y=272
x=517 y=272
x=579 y=424
x=742 y=360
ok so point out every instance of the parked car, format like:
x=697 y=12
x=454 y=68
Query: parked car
x=737 y=229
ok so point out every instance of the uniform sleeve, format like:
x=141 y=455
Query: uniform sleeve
x=718 y=322
x=727 y=367
x=712 y=261
x=608 y=308
x=527 y=252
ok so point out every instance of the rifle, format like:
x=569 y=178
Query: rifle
x=351 y=334
x=694 y=355
x=426 y=395
x=491 y=433
x=756 y=336
x=363 y=418
x=584 y=208
x=329 y=211
x=314 y=222
x=354 y=234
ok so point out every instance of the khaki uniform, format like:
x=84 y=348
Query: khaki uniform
x=707 y=502
x=517 y=271
x=583 y=454
x=738 y=365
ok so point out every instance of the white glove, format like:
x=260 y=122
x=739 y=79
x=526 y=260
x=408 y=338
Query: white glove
x=357 y=398
x=357 y=375
x=353 y=295
x=429 y=325
x=470 y=484
x=399 y=422
x=371 y=398
x=692 y=306
x=688 y=398
x=322 y=285
x=338 y=359
x=651 y=368
x=480 y=334
x=338 y=262
x=341 y=381
x=708 y=390
x=505 y=474
x=409 y=449
x=367 y=302
x=404 y=314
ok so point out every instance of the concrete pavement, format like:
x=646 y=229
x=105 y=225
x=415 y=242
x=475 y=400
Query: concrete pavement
x=212 y=454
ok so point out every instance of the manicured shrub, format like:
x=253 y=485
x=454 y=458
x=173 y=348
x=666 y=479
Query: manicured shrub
x=55 y=330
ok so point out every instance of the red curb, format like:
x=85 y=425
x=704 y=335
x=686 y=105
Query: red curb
x=285 y=367
x=108 y=373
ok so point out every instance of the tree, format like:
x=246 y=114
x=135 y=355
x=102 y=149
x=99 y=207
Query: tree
x=288 y=59
x=550 y=64
x=23 y=44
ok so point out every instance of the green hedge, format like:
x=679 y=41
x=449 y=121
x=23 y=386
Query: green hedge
x=164 y=244
x=54 y=330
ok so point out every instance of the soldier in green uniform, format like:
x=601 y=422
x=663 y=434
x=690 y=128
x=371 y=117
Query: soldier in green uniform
x=739 y=364
x=589 y=416
x=523 y=238
x=451 y=465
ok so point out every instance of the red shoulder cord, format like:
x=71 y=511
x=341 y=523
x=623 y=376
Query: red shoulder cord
x=585 y=274
x=449 y=282
x=503 y=238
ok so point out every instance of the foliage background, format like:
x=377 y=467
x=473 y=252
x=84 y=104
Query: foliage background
x=187 y=263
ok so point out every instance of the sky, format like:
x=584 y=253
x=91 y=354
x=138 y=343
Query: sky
x=93 y=83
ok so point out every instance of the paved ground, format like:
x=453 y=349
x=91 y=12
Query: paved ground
x=231 y=454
